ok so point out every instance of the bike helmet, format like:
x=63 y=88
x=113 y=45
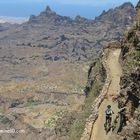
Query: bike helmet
x=109 y=106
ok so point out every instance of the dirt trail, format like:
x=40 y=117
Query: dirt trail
x=98 y=132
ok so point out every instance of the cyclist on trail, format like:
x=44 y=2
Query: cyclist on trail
x=109 y=114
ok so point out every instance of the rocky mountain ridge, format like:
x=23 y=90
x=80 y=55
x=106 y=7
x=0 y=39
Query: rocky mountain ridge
x=71 y=39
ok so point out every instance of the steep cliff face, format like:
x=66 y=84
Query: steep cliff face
x=72 y=125
x=130 y=82
x=96 y=74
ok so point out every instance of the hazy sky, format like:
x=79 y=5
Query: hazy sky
x=86 y=8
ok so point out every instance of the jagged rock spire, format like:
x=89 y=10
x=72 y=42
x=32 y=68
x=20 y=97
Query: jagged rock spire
x=49 y=11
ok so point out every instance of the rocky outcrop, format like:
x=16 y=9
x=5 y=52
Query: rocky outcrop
x=130 y=83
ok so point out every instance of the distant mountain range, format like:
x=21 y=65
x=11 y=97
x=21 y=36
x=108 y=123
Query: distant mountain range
x=12 y=20
x=74 y=39
x=7 y=23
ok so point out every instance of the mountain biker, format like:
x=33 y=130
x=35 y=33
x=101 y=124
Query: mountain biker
x=108 y=113
x=123 y=118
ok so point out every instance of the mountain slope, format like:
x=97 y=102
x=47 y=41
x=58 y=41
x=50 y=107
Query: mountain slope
x=65 y=38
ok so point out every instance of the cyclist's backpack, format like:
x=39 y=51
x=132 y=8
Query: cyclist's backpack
x=108 y=112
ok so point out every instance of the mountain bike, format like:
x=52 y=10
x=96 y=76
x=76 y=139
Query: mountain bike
x=107 y=124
